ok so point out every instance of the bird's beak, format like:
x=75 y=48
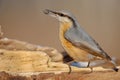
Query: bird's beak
x=50 y=12
x=47 y=11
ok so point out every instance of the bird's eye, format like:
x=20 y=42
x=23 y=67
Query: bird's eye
x=61 y=14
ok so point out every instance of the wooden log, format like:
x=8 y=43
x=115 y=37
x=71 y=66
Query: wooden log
x=36 y=65
x=96 y=75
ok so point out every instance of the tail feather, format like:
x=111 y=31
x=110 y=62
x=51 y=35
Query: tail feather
x=115 y=69
x=114 y=64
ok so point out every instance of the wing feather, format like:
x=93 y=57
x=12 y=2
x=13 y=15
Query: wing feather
x=78 y=37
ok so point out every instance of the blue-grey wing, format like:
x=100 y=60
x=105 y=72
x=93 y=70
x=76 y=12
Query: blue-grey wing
x=81 y=39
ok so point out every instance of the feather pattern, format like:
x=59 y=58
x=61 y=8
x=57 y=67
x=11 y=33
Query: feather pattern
x=78 y=37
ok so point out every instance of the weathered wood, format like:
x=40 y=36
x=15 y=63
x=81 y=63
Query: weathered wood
x=12 y=44
x=36 y=65
x=97 y=75
x=28 y=61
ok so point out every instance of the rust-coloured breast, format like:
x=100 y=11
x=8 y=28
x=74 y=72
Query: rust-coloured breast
x=76 y=53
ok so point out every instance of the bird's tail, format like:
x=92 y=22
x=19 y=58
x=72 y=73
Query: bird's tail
x=114 y=65
x=112 y=61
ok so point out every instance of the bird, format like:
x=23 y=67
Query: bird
x=78 y=44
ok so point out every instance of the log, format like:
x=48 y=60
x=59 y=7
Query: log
x=96 y=75
x=36 y=65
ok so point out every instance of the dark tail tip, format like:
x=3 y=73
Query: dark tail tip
x=115 y=69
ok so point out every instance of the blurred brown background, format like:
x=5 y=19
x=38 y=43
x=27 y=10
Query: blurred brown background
x=24 y=20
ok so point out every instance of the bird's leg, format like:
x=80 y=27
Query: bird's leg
x=88 y=63
x=89 y=66
x=70 y=69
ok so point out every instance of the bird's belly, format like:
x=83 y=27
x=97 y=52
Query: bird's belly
x=76 y=53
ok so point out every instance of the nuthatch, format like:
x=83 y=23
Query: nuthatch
x=77 y=43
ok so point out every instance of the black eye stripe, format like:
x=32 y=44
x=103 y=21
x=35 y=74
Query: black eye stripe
x=61 y=14
x=64 y=15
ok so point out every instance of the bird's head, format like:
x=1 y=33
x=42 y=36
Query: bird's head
x=62 y=16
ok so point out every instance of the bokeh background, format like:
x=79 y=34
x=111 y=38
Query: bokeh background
x=24 y=20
